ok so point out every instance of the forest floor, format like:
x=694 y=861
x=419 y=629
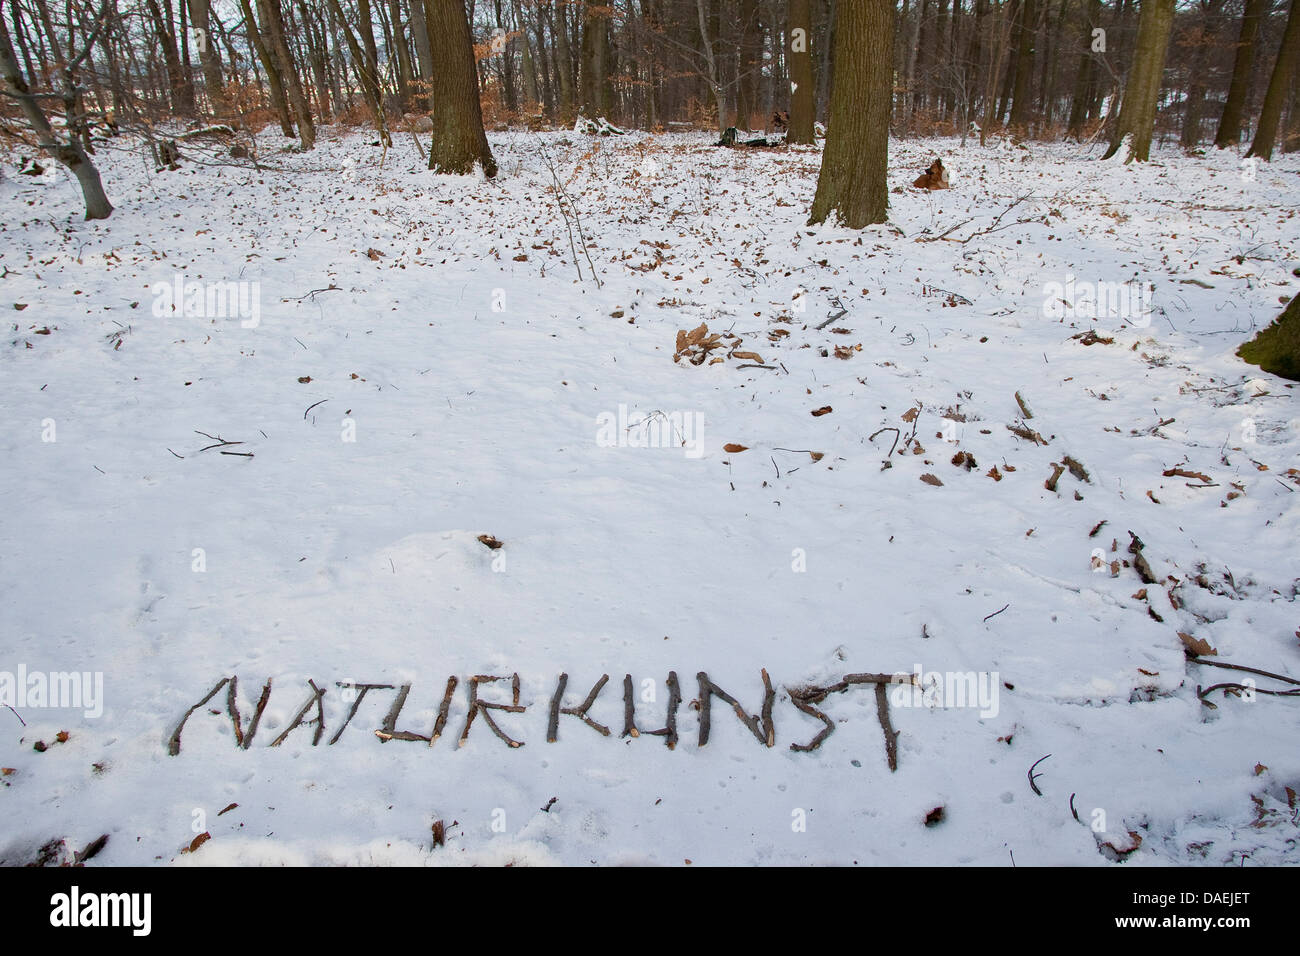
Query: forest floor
x=424 y=360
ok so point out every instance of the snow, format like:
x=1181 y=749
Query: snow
x=474 y=370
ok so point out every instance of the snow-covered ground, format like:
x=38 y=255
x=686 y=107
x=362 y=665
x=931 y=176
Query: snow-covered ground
x=457 y=378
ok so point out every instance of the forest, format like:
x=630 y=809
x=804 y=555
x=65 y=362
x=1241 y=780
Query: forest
x=1197 y=73
x=650 y=433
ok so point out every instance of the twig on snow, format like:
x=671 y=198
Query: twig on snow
x=1033 y=776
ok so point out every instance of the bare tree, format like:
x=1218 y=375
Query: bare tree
x=1270 y=114
x=69 y=151
x=1234 y=109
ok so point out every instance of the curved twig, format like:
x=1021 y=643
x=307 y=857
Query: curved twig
x=1033 y=776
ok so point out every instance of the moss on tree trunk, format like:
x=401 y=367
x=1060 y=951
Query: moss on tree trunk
x=1276 y=349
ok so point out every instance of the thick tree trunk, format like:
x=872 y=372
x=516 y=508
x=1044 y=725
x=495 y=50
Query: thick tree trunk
x=1137 y=114
x=1276 y=348
x=1270 y=114
x=1243 y=65
x=458 y=138
x=853 y=184
x=798 y=39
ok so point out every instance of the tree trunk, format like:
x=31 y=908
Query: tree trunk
x=1291 y=138
x=563 y=59
x=593 y=79
x=70 y=154
x=1025 y=32
x=748 y=67
x=710 y=58
x=366 y=31
x=274 y=82
x=1083 y=79
x=511 y=102
x=370 y=87
x=1001 y=36
x=1051 y=60
x=799 y=51
x=909 y=67
x=1270 y=114
x=458 y=138
x=1276 y=348
x=319 y=55
x=22 y=41
x=853 y=181
x=1200 y=37
x=209 y=55
x=545 y=60
x=974 y=54
x=423 y=52
x=1137 y=114
x=405 y=73
x=1243 y=65
x=182 y=91
x=527 y=66
x=275 y=28
x=924 y=53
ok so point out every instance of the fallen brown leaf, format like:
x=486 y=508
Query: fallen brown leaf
x=1199 y=647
